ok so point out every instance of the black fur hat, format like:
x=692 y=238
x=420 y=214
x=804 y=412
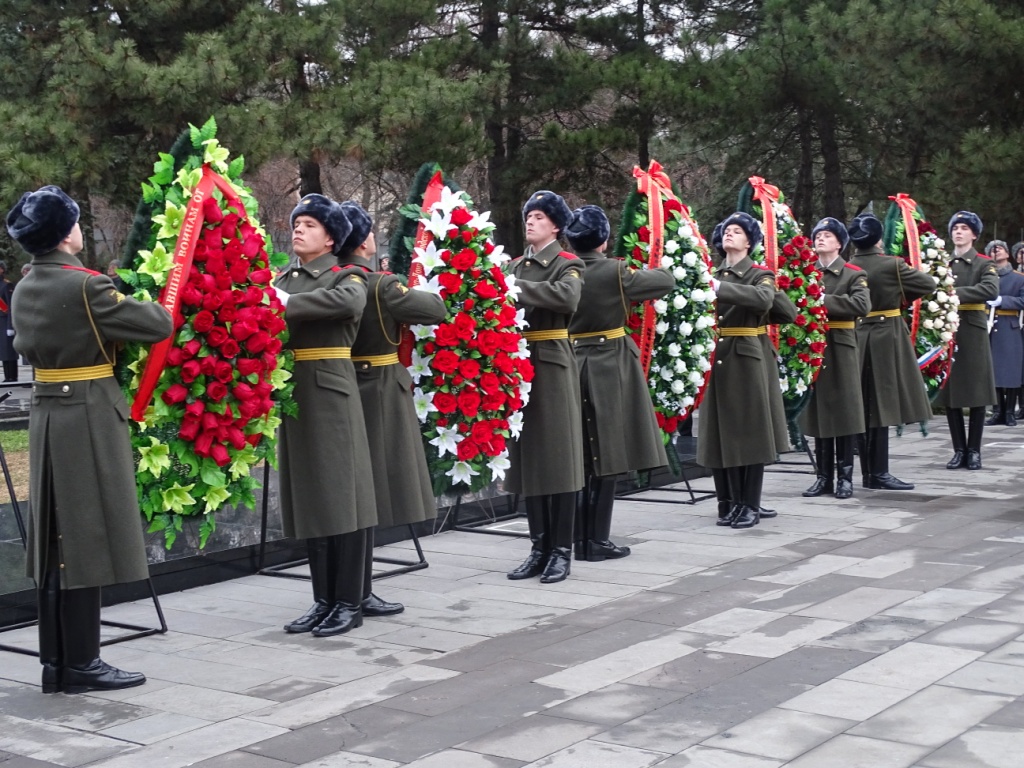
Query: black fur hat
x=551 y=205
x=361 y=223
x=1015 y=253
x=992 y=246
x=836 y=227
x=42 y=219
x=969 y=218
x=328 y=213
x=716 y=239
x=865 y=230
x=750 y=225
x=588 y=229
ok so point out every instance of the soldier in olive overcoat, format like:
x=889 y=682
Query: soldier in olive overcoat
x=971 y=382
x=1005 y=334
x=891 y=382
x=401 y=480
x=620 y=430
x=742 y=418
x=835 y=414
x=326 y=479
x=85 y=528
x=547 y=457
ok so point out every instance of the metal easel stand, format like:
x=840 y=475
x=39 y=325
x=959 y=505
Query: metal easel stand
x=804 y=446
x=697 y=495
x=478 y=526
x=137 y=630
x=280 y=570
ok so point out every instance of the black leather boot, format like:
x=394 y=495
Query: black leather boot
x=958 y=435
x=976 y=430
x=584 y=501
x=1011 y=408
x=824 y=457
x=50 y=652
x=373 y=605
x=563 y=512
x=319 y=552
x=998 y=410
x=750 y=512
x=346 y=570
x=726 y=509
x=1020 y=404
x=844 y=467
x=599 y=545
x=880 y=478
x=540 y=539
x=864 y=455
x=84 y=670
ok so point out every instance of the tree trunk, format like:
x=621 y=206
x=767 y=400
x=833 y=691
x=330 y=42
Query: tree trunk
x=309 y=177
x=835 y=200
x=804 y=194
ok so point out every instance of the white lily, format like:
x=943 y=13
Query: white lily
x=513 y=289
x=497 y=257
x=461 y=472
x=437 y=224
x=524 y=391
x=430 y=258
x=423 y=402
x=481 y=221
x=420 y=367
x=447 y=441
x=421 y=332
x=430 y=286
x=515 y=423
x=498 y=465
x=521 y=321
x=449 y=201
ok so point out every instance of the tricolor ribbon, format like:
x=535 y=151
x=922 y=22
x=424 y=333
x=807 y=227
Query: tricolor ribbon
x=170 y=297
x=654 y=184
x=431 y=195
x=912 y=238
x=767 y=195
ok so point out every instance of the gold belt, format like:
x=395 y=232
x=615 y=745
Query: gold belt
x=323 y=353
x=972 y=308
x=557 y=333
x=841 y=325
x=377 y=360
x=613 y=333
x=50 y=375
x=884 y=313
x=761 y=330
x=1006 y=312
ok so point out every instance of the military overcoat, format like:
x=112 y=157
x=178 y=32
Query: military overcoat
x=971 y=382
x=620 y=431
x=325 y=474
x=742 y=419
x=7 y=352
x=836 y=407
x=1005 y=337
x=401 y=482
x=81 y=472
x=897 y=392
x=547 y=457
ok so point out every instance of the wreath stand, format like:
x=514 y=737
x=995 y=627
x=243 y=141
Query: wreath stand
x=511 y=513
x=137 y=630
x=281 y=569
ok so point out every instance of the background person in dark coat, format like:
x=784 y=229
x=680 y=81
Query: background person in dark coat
x=971 y=382
x=85 y=528
x=891 y=382
x=742 y=419
x=326 y=478
x=1017 y=260
x=620 y=431
x=1005 y=335
x=7 y=354
x=401 y=481
x=835 y=414
x=547 y=458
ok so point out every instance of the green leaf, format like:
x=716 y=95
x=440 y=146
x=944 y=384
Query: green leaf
x=177 y=497
x=244 y=459
x=211 y=474
x=209 y=129
x=155 y=458
x=186 y=333
x=193 y=134
x=207 y=527
x=215 y=496
x=236 y=167
x=150 y=194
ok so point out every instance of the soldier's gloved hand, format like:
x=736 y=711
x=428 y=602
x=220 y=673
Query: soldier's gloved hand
x=281 y=295
x=715 y=282
x=10 y=331
x=996 y=302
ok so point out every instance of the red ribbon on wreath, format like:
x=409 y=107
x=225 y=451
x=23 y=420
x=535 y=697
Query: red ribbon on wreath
x=654 y=184
x=170 y=297
x=766 y=194
x=431 y=195
x=912 y=238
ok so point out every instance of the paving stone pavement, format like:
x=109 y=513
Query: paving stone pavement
x=886 y=631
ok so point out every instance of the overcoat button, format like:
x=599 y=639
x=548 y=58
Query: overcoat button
x=295 y=274
x=65 y=388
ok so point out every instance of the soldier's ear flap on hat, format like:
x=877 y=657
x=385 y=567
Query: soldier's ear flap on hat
x=865 y=230
x=41 y=220
x=588 y=228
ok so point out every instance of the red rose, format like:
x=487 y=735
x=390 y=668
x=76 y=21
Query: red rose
x=503 y=363
x=464 y=259
x=191 y=296
x=189 y=371
x=216 y=391
x=208 y=364
x=672 y=205
x=203 y=321
x=211 y=211
x=798 y=282
x=213 y=301
x=800 y=320
x=469 y=369
x=249 y=409
x=203 y=443
x=525 y=368
x=450 y=283
x=791 y=341
x=445 y=402
x=467 y=235
x=494 y=401
x=788 y=249
x=634 y=321
x=644 y=234
x=485 y=290
x=809 y=270
x=230 y=348
x=239 y=271
x=189 y=429
x=489 y=383
x=242 y=392
x=175 y=393
x=223 y=281
x=445 y=361
x=220 y=455
x=223 y=371
x=816 y=361
x=260 y=277
x=445 y=335
x=783 y=282
x=236 y=437
x=464 y=325
x=468 y=304
x=488 y=342
x=638 y=253
x=469 y=403
x=253 y=295
x=274 y=346
x=216 y=336
x=467 y=450
x=257 y=342
x=227 y=314
x=248 y=365
x=195 y=409
x=461 y=217
x=817 y=347
x=175 y=356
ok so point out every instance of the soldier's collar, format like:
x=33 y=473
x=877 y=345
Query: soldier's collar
x=968 y=256
x=545 y=255
x=739 y=268
x=835 y=267
x=57 y=257
x=321 y=265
